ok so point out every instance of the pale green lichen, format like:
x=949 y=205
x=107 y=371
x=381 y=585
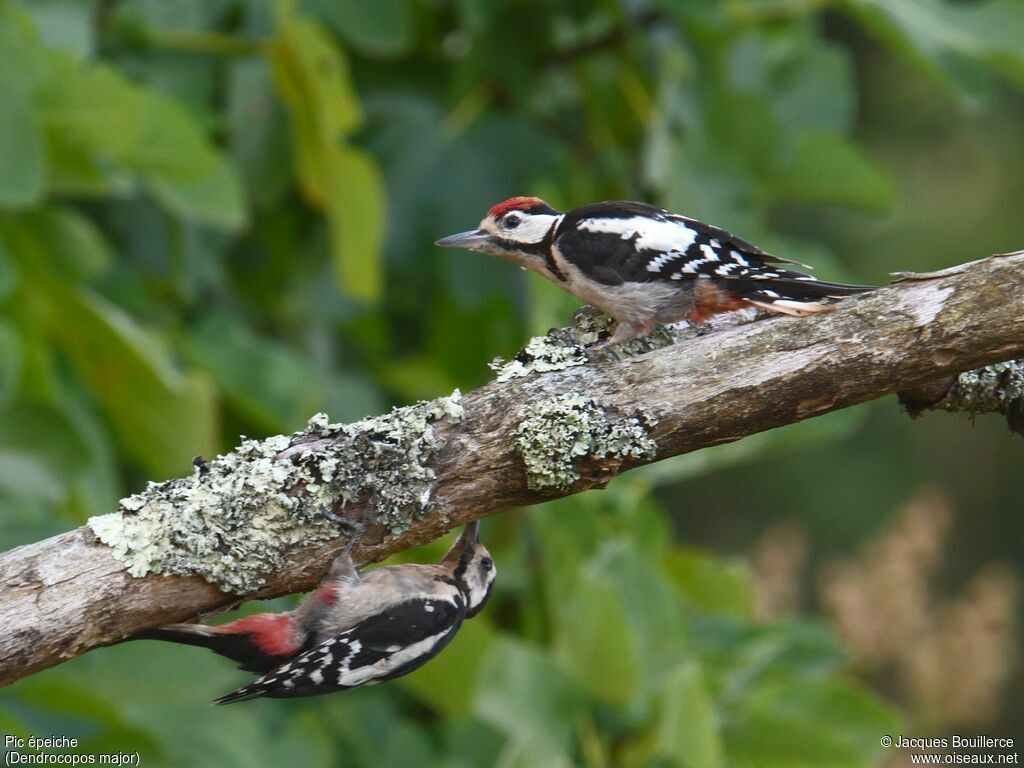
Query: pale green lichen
x=234 y=520
x=585 y=341
x=561 y=348
x=992 y=389
x=997 y=388
x=557 y=432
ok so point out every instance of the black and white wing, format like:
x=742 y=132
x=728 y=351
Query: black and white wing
x=387 y=645
x=625 y=242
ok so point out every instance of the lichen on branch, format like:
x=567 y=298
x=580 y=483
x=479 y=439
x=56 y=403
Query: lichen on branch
x=555 y=434
x=996 y=388
x=572 y=346
x=234 y=520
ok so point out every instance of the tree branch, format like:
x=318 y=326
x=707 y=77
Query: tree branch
x=996 y=388
x=252 y=521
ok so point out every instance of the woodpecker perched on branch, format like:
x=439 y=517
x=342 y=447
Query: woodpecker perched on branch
x=355 y=628
x=643 y=265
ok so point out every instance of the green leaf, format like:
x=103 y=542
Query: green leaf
x=24 y=59
x=40 y=452
x=163 y=419
x=783 y=441
x=355 y=215
x=383 y=28
x=688 y=732
x=961 y=44
x=10 y=360
x=259 y=132
x=809 y=723
x=312 y=76
x=828 y=168
x=653 y=610
x=595 y=640
x=65 y=24
x=743 y=126
x=9 y=277
x=96 y=118
x=744 y=656
x=100 y=485
x=712 y=583
x=265 y=380
x=216 y=198
x=100 y=724
x=817 y=91
x=305 y=739
x=577 y=550
x=77 y=246
x=75 y=171
x=522 y=692
x=447 y=683
x=92 y=108
x=22 y=151
x=168 y=143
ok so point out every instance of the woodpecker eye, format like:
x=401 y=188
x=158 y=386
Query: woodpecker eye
x=511 y=221
x=486 y=564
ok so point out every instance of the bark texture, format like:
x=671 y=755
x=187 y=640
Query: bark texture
x=996 y=388
x=524 y=440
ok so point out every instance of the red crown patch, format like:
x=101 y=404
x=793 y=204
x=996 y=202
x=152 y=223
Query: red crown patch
x=514 y=204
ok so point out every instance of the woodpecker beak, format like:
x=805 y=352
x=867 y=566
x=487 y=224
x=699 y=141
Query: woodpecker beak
x=467 y=541
x=474 y=240
x=469 y=537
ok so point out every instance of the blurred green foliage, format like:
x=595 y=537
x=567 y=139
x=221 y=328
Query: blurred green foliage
x=216 y=218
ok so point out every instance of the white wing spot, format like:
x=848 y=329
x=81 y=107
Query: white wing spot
x=656 y=264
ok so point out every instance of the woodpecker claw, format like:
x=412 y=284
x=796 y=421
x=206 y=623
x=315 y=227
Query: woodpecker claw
x=355 y=535
x=607 y=352
x=350 y=528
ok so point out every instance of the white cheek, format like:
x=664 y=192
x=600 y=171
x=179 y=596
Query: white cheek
x=532 y=229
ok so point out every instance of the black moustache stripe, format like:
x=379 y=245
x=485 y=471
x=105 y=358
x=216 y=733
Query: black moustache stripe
x=549 y=253
x=541 y=249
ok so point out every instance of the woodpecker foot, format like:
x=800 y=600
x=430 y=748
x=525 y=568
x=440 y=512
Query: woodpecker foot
x=607 y=352
x=631 y=347
x=355 y=535
x=564 y=336
x=352 y=529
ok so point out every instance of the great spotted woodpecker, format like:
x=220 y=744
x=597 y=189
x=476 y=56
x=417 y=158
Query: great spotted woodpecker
x=643 y=265
x=355 y=628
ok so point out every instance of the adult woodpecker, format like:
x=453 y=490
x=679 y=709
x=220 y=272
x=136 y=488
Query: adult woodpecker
x=355 y=628
x=643 y=265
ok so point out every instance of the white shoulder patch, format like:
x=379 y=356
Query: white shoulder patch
x=655 y=234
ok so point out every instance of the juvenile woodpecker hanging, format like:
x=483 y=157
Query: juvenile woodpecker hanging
x=355 y=628
x=643 y=265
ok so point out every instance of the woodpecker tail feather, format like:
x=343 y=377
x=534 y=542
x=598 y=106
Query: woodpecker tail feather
x=258 y=643
x=791 y=293
x=245 y=693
